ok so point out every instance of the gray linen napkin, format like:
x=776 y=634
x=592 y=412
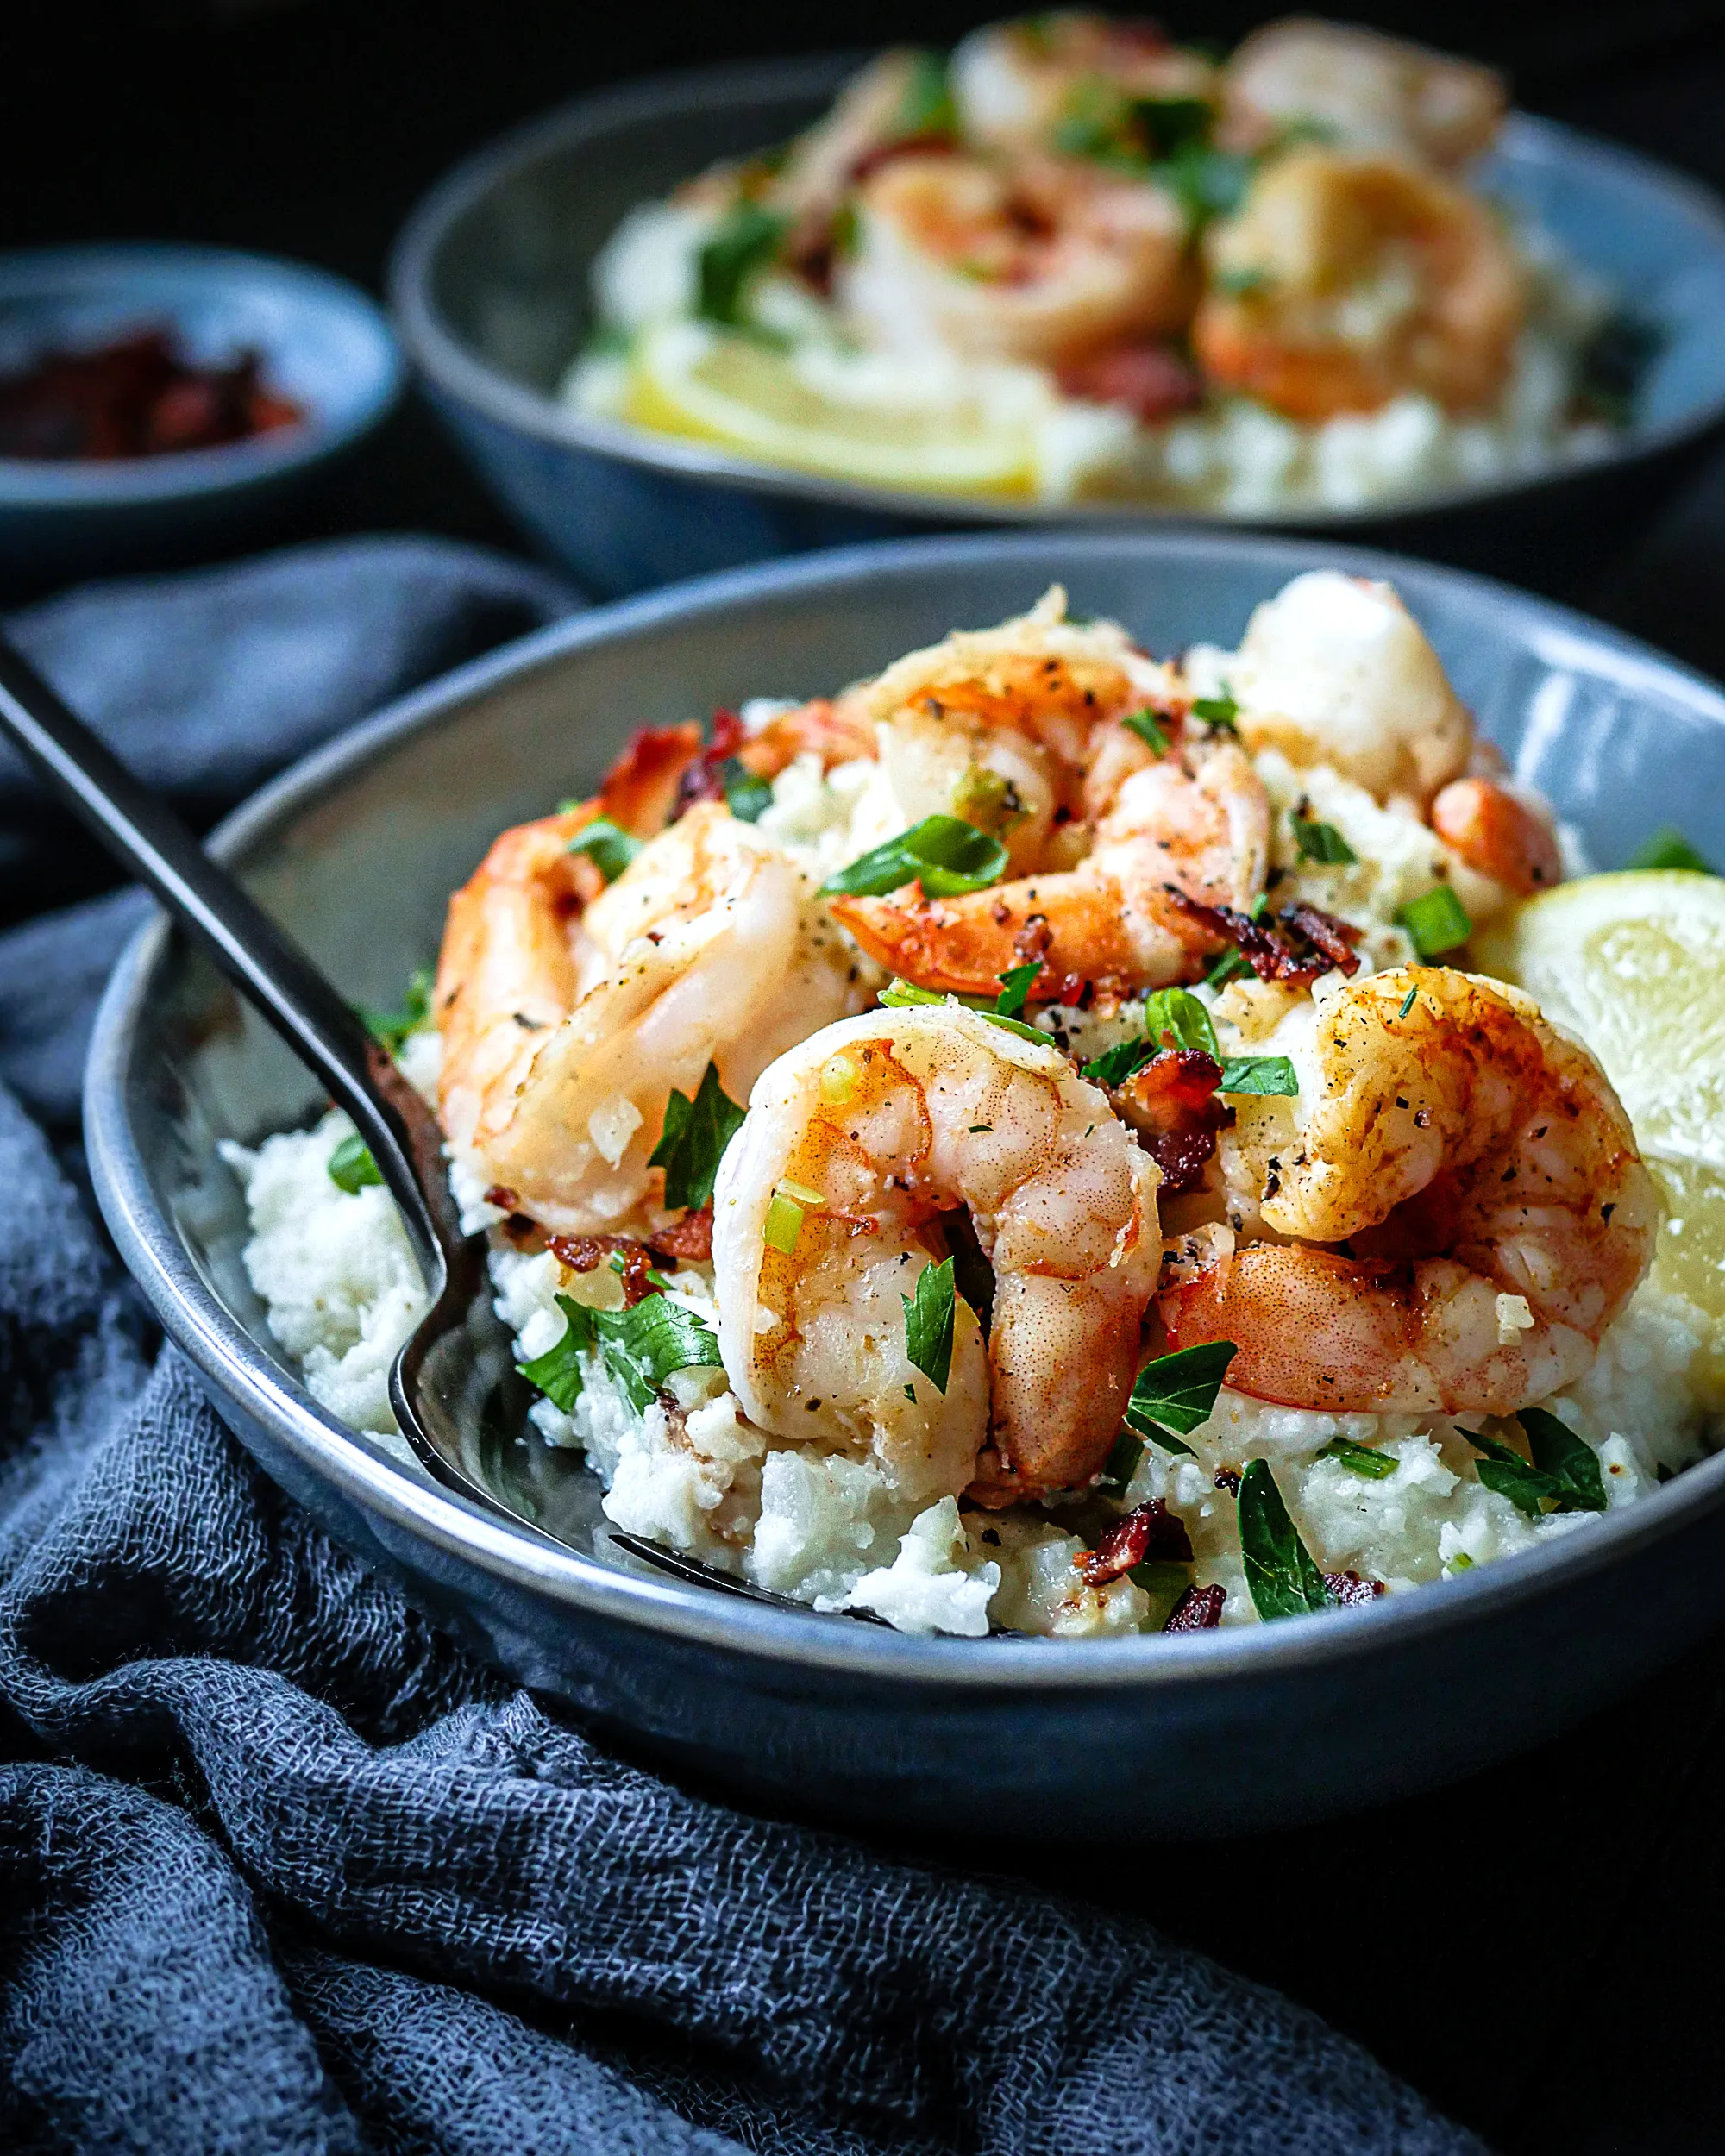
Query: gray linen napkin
x=287 y=1869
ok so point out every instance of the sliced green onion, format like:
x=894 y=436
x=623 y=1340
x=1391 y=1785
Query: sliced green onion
x=1145 y=724
x=947 y=856
x=1407 y=1002
x=351 y=1165
x=1359 y=1459
x=1217 y=710
x=1321 y=842
x=1436 y=921
x=987 y=799
x=784 y=1224
x=607 y=845
x=1669 y=848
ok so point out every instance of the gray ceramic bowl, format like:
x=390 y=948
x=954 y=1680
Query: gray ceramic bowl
x=357 y=849
x=323 y=343
x=489 y=288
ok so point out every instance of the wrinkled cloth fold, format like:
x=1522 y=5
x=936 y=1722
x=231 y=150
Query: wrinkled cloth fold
x=288 y=1869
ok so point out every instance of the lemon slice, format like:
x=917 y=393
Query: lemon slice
x=1635 y=965
x=863 y=418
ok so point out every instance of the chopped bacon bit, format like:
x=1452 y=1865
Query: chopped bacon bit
x=704 y=779
x=640 y=789
x=1148 y=1532
x=585 y=1253
x=1152 y=381
x=691 y=1236
x=1350 y=1590
x=1299 y=947
x=1198 y=1609
x=882 y=154
x=1032 y=941
x=505 y=1198
x=1171 y=1103
x=1227 y=1478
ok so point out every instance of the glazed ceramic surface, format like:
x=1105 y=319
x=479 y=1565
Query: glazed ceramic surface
x=324 y=344
x=357 y=850
x=489 y=288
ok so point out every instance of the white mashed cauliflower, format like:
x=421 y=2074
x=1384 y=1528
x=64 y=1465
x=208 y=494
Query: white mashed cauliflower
x=336 y=1273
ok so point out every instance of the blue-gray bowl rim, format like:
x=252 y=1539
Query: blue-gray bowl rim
x=27 y=482
x=458 y=372
x=239 y=1368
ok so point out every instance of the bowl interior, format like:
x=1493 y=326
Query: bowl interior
x=507 y=275
x=322 y=343
x=358 y=851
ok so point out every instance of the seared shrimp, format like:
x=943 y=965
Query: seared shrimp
x=1197 y=821
x=1344 y=282
x=1366 y=92
x=1498 y=833
x=1013 y=83
x=875 y=1128
x=1474 y=1183
x=1043 y=261
x=1335 y=670
x=571 y=1032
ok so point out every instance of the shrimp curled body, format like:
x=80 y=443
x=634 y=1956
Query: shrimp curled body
x=1475 y=1183
x=894 y=1118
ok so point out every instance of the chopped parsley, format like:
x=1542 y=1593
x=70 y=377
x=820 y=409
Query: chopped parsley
x=1176 y=1392
x=1217 y=710
x=694 y=1140
x=1281 y=1572
x=745 y=241
x=747 y=797
x=926 y=107
x=1147 y=725
x=390 y=1029
x=1259 y=1075
x=928 y=1323
x=1669 y=848
x=1015 y=987
x=1121 y=1465
x=1563 y=1476
x=641 y=1348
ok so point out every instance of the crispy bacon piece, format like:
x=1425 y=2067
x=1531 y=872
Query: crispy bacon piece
x=704 y=779
x=1152 y=381
x=1299 y=947
x=641 y=788
x=1198 y=1609
x=505 y=1198
x=838 y=732
x=585 y=1253
x=1149 y=1532
x=1350 y=1590
x=1171 y=1102
x=691 y=1236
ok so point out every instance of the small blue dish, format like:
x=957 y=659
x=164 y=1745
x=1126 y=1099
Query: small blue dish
x=489 y=289
x=322 y=343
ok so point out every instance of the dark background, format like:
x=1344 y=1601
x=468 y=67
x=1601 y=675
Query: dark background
x=1535 y=1949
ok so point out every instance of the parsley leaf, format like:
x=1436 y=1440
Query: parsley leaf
x=556 y=1372
x=1175 y=1018
x=609 y=848
x=1015 y=987
x=927 y=107
x=747 y=797
x=1115 y=1065
x=1259 y=1075
x=1177 y=1392
x=1504 y=1471
x=1564 y=1475
x=743 y=243
x=946 y=855
x=1280 y=1570
x=694 y=1140
x=928 y=1323
x=641 y=1347
x=351 y=1165
x=1321 y=842
x=390 y=1029
x=1121 y=1464
x=1217 y=710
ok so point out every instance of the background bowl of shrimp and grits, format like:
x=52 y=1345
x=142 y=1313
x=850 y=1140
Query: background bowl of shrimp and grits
x=357 y=851
x=492 y=286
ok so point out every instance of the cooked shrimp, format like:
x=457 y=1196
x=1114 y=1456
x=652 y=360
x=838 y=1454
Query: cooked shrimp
x=573 y=1030
x=1498 y=833
x=868 y=113
x=1335 y=670
x=1366 y=92
x=1043 y=261
x=1344 y=282
x=1477 y=1181
x=894 y=1118
x=1013 y=83
x=1198 y=821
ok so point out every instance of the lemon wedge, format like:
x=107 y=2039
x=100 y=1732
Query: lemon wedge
x=1634 y=964
x=881 y=420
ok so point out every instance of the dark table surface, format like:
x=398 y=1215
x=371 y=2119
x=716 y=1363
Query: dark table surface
x=1533 y=1948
